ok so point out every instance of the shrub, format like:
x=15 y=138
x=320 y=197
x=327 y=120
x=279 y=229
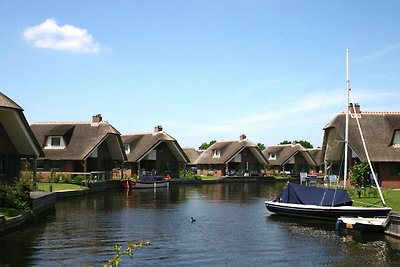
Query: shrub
x=16 y=196
x=360 y=175
x=188 y=174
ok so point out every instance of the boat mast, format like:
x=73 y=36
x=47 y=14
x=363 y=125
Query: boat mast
x=346 y=135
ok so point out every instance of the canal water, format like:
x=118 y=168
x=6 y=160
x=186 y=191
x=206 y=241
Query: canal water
x=232 y=228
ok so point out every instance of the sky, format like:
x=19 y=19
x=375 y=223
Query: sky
x=202 y=69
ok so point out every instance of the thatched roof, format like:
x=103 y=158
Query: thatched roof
x=6 y=102
x=192 y=154
x=378 y=129
x=142 y=143
x=81 y=139
x=228 y=150
x=15 y=124
x=285 y=152
x=316 y=155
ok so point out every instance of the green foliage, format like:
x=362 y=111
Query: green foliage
x=67 y=178
x=58 y=186
x=360 y=175
x=204 y=146
x=119 y=252
x=16 y=196
x=369 y=192
x=305 y=144
x=268 y=167
x=261 y=146
x=188 y=174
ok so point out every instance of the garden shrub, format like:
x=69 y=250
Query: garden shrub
x=16 y=196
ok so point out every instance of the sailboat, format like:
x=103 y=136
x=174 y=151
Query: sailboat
x=327 y=203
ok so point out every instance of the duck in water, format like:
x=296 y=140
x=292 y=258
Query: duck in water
x=192 y=220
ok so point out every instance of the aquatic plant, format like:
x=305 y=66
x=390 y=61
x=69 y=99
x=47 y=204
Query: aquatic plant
x=119 y=252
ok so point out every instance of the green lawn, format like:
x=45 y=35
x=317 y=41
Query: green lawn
x=392 y=199
x=58 y=187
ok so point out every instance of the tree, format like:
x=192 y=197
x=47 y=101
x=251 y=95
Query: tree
x=305 y=144
x=204 y=146
x=261 y=146
x=286 y=142
x=360 y=175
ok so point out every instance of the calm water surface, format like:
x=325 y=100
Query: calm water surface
x=232 y=228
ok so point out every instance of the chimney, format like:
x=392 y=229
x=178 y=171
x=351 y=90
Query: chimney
x=356 y=108
x=243 y=137
x=158 y=128
x=97 y=118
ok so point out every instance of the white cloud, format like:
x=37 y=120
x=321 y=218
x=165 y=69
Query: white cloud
x=50 y=35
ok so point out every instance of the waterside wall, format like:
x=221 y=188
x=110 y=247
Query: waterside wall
x=393 y=228
x=46 y=201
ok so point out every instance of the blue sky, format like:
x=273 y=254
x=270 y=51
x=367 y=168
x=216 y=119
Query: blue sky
x=203 y=69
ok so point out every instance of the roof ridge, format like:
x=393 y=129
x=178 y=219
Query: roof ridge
x=377 y=112
x=67 y=122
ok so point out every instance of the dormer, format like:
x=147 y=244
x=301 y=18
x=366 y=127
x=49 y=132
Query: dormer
x=55 y=142
x=396 y=139
x=216 y=153
x=272 y=156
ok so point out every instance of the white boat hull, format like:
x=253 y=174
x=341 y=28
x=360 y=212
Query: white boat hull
x=325 y=212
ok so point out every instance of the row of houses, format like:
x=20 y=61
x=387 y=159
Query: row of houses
x=95 y=147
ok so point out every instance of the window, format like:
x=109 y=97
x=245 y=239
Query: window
x=272 y=156
x=127 y=149
x=395 y=169
x=396 y=138
x=216 y=153
x=55 y=141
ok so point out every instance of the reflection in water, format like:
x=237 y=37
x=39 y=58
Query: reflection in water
x=232 y=227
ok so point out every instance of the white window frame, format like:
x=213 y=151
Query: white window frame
x=49 y=143
x=127 y=148
x=396 y=138
x=216 y=153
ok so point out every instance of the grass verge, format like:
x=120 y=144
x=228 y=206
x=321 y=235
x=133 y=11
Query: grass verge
x=58 y=187
x=391 y=196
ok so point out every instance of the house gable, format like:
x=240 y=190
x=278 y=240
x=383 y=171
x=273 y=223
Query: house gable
x=77 y=140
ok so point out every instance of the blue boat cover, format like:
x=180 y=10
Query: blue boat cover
x=313 y=195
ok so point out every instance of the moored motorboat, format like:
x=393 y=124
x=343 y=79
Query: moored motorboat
x=147 y=181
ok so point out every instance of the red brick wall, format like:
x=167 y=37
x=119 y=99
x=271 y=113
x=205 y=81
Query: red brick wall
x=388 y=180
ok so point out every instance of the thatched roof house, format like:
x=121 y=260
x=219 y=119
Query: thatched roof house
x=155 y=152
x=16 y=139
x=290 y=158
x=231 y=158
x=79 y=146
x=381 y=131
